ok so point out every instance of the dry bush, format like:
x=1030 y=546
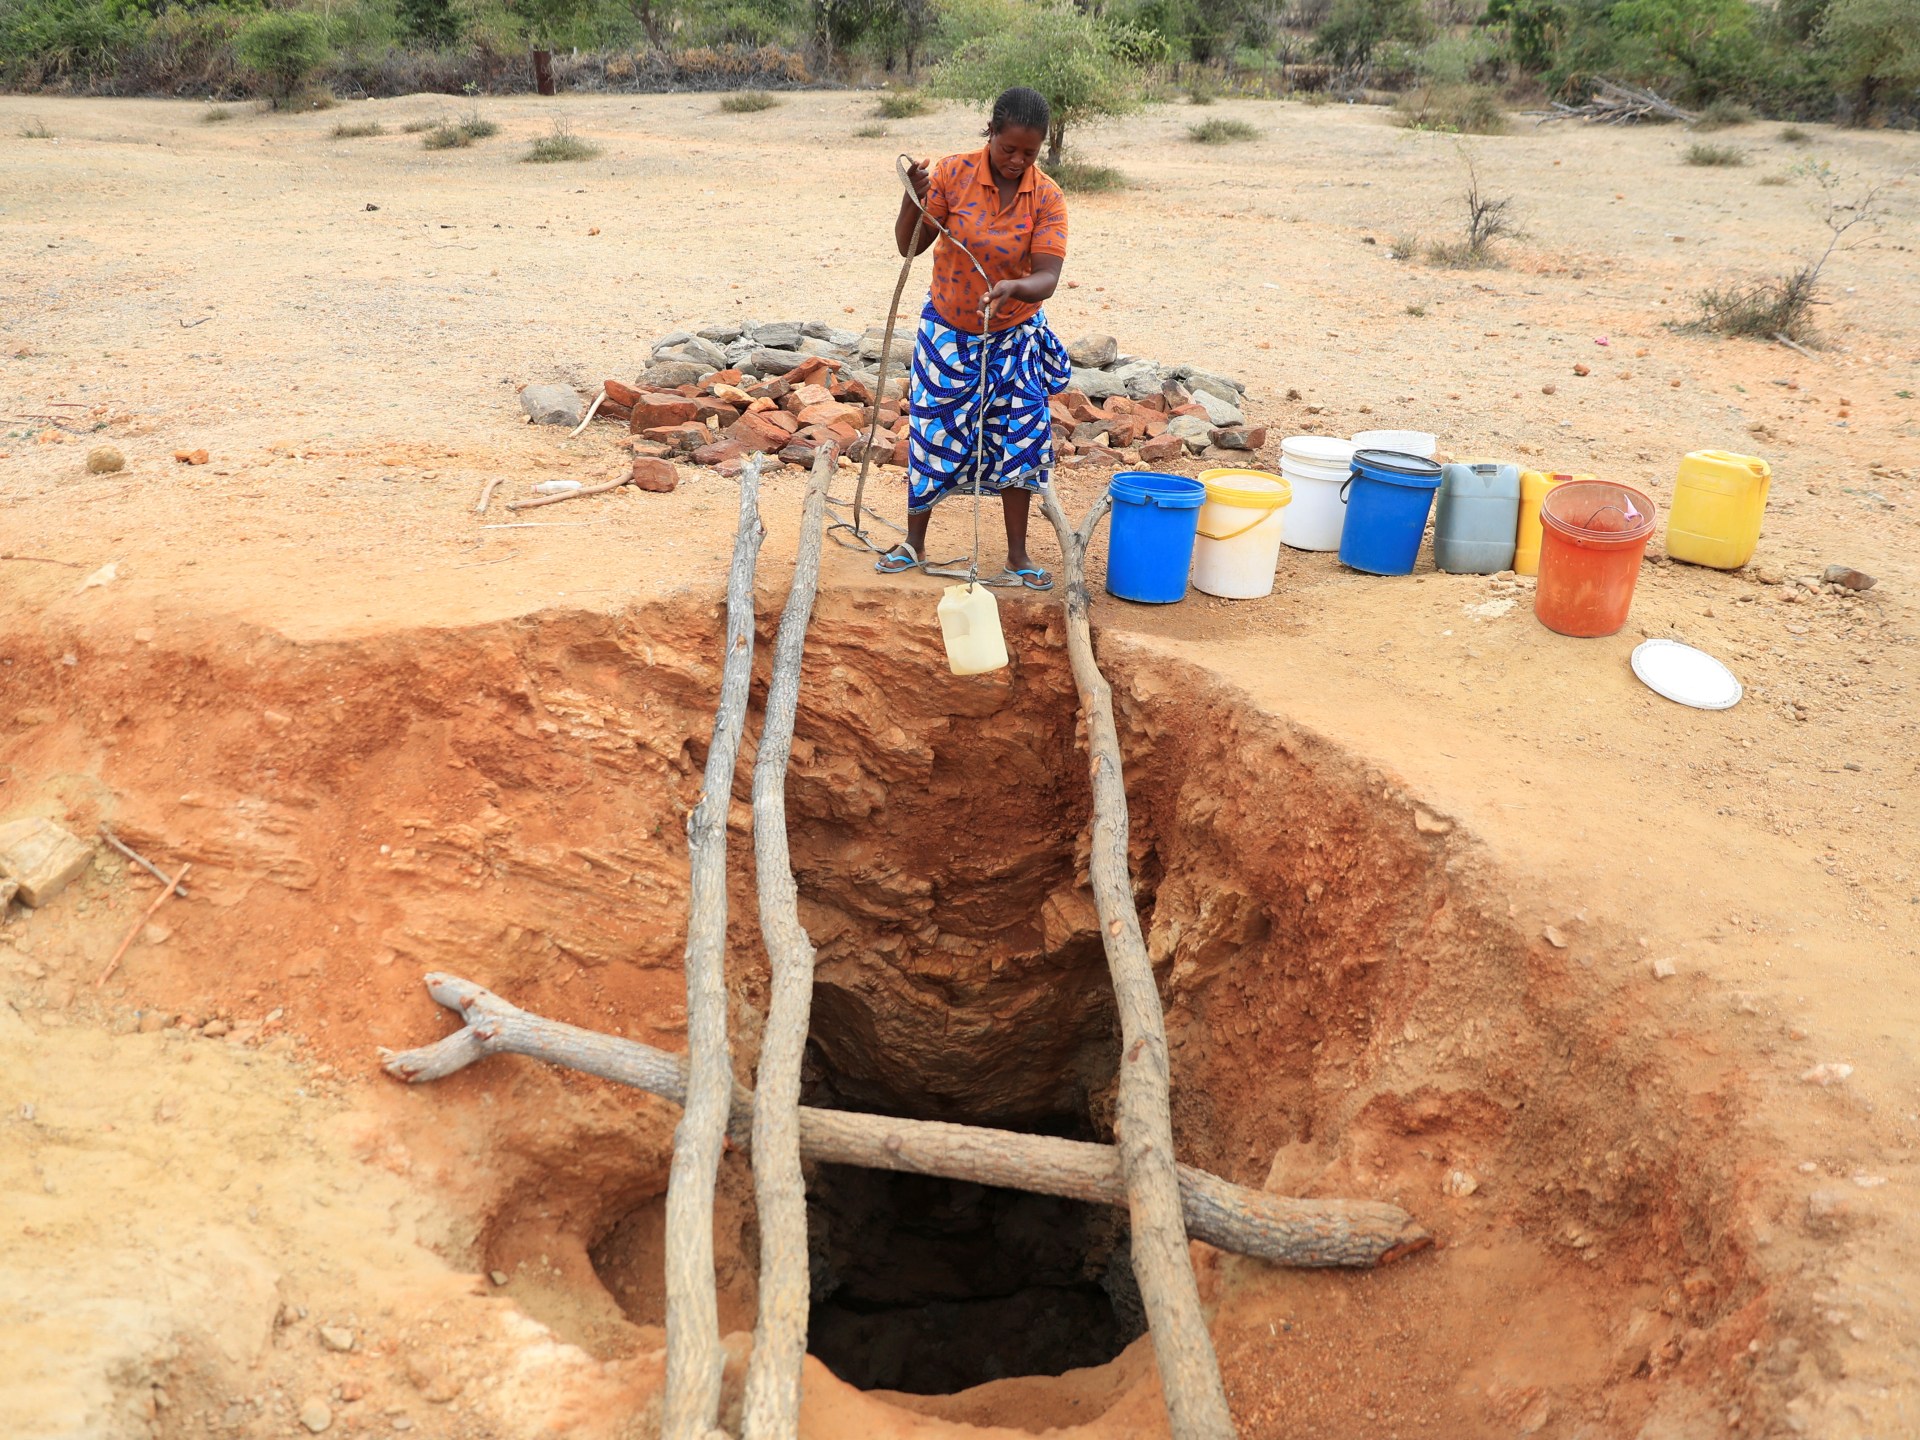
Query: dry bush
x=1081 y=178
x=1404 y=247
x=748 y=102
x=560 y=146
x=1723 y=114
x=1452 y=109
x=1490 y=217
x=1714 y=155
x=901 y=105
x=359 y=132
x=214 y=114
x=35 y=129
x=1221 y=132
x=1794 y=135
x=871 y=132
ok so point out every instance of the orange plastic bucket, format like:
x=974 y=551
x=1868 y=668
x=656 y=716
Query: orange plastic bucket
x=1593 y=534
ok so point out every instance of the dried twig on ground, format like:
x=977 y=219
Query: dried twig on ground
x=1613 y=104
x=1189 y=1371
x=592 y=410
x=1315 y=1234
x=585 y=490
x=145 y=864
x=44 y=560
x=138 y=926
x=486 y=495
x=694 y=1357
x=772 y=1406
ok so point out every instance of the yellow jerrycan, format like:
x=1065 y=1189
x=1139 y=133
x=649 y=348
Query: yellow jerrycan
x=1717 y=506
x=970 y=625
x=1534 y=485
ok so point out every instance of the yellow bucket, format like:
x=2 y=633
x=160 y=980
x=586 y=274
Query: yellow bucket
x=1534 y=485
x=1717 y=507
x=1237 y=547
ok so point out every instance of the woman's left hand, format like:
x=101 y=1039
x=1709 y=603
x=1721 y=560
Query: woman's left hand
x=1005 y=290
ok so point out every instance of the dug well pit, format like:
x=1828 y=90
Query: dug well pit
x=1352 y=1007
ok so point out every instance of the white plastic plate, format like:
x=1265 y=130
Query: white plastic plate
x=1686 y=675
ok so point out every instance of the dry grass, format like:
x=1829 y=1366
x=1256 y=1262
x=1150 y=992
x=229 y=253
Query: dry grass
x=1404 y=247
x=1081 y=178
x=871 y=132
x=1723 y=115
x=458 y=134
x=1779 y=306
x=1794 y=135
x=559 y=147
x=35 y=129
x=748 y=102
x=1714 y=155
x=1221 y=132
x=900 y=105
x=359 y=132
x=215 y=114
x=1775 y=179
x=414 y=127
x=1452 y=110
x=1489 y=218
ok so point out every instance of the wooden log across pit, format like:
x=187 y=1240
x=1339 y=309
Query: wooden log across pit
x=1190 y=1380
x=1312 y=1234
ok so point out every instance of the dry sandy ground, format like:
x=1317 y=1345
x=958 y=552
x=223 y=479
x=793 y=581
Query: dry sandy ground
x=341 y=324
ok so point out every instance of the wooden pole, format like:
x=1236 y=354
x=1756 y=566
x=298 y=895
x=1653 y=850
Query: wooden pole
x=1143 y=1124
x=1314 y=1234
x=694 y=1358
x=140 y=924
x=772 y=1406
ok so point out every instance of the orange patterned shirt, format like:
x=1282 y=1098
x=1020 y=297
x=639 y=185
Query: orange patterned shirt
x=963 y=196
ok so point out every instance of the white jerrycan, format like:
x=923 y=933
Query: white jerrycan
x=970 y=624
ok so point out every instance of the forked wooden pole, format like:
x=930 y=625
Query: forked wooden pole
x=1143 y=1123
x=1318 y=1234
x=694 y=1358
x=772 y=1407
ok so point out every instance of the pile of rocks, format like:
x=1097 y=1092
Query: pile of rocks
x=717 y=395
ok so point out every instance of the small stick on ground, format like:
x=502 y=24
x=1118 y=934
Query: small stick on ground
x=486 y=494
x=1792 y=345
x=772 y=1406
x=1280 y=1229
x=691 y=1406
x=145 y=864
x=537 y=501
x=44 y=560
x=1183 y=1349
x=138 y=926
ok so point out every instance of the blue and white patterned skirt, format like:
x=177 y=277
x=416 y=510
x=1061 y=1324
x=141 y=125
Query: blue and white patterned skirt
x=1026 y=364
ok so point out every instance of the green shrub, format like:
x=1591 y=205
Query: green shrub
x=1221 y=132
x=747 y=102
x=283 y=49
x=446 y=136
x=1875 y=48
x=66 y=38
x=1714 y=155
x=360 y=131
x=901 y=105
x=1453 y=109
x=562 y=145
x=1080 y=178
x=1356 y=28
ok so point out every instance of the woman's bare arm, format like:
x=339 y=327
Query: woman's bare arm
x=909 y=212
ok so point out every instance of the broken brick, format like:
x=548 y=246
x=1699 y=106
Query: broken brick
x=717 y=451
x=1078 y=406
x=899 y=456
x=830 y=413
x=682 y=438
x=659 y=476
x=709 y=409
x=620 y=394
x=758 y=430
x=652 y=448
x=1162 y=448
x=724 y=377
x=191 y=457
x=800 y=452
x=1240 y=437
x=854 y=392
x=812 y=370
x=656 y=408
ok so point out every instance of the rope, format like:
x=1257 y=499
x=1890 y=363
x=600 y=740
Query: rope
x=853 y=528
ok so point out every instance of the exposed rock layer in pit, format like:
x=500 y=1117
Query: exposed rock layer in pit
x=1350 y=1009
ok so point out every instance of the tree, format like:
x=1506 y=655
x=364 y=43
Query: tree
x=1876 y=46
x=1355 y=28
x=1082 y=65
x=283 y=48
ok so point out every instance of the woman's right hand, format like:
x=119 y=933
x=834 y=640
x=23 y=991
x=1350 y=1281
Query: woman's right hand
x=919 y=176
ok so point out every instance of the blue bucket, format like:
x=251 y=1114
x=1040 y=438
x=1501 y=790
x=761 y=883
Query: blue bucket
x=1387 y=497
x=1150 y=548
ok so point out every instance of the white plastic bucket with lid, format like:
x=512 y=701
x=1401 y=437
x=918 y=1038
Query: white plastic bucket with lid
x=1238 y=546
x=1316 y=466
x=1405 y=442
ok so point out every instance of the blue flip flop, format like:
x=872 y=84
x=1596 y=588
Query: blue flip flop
x=1031 y=578
x=895 y=562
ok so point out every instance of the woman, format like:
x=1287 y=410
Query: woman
x=1000 y=210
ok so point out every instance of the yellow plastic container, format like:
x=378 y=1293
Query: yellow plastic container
x=1534 y=485
x=1717 y=506
x=970 y=625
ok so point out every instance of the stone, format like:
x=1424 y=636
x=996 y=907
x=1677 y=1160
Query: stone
x=42 y=858
x=814 y=370
x=154 y=1021
x=723 y=334
x=1161 y=449
x=1192 y=430
x=902 y=351
x=1428 y=823
x=718 y=453
x=1847 y=578
x=668 y=342
x=822 y=349
x=1241 y=438
x=671 y=375
x=700 y=352
x=830 y=412
x=778 y=335
x=105 y=460
x=680 y=439
x=154 y=933
x=1140 y=378
x=499 y=1277
x=768 y=360
x=1831 y=1073
x=1098 y=384
x=1090 y=352
x=8 y=889
x=1551 y=934
x=1768 y=574
x=759 y=430
x=1663 y=968
x=1220 y=412
x=657 y=476
x=1219 y=386
x=315 y=1415
x=1459 y=1184
x=191 y=457
x=337 y=1338
x=553 y=404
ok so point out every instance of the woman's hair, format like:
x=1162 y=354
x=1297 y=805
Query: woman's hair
x=1020 y=106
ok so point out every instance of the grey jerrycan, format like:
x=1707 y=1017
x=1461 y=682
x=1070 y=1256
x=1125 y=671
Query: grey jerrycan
x=1477 y=517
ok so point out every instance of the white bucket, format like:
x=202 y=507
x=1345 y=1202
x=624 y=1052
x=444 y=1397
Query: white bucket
x=1403 y=442
x=1317 y=466
x=1241 y=524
